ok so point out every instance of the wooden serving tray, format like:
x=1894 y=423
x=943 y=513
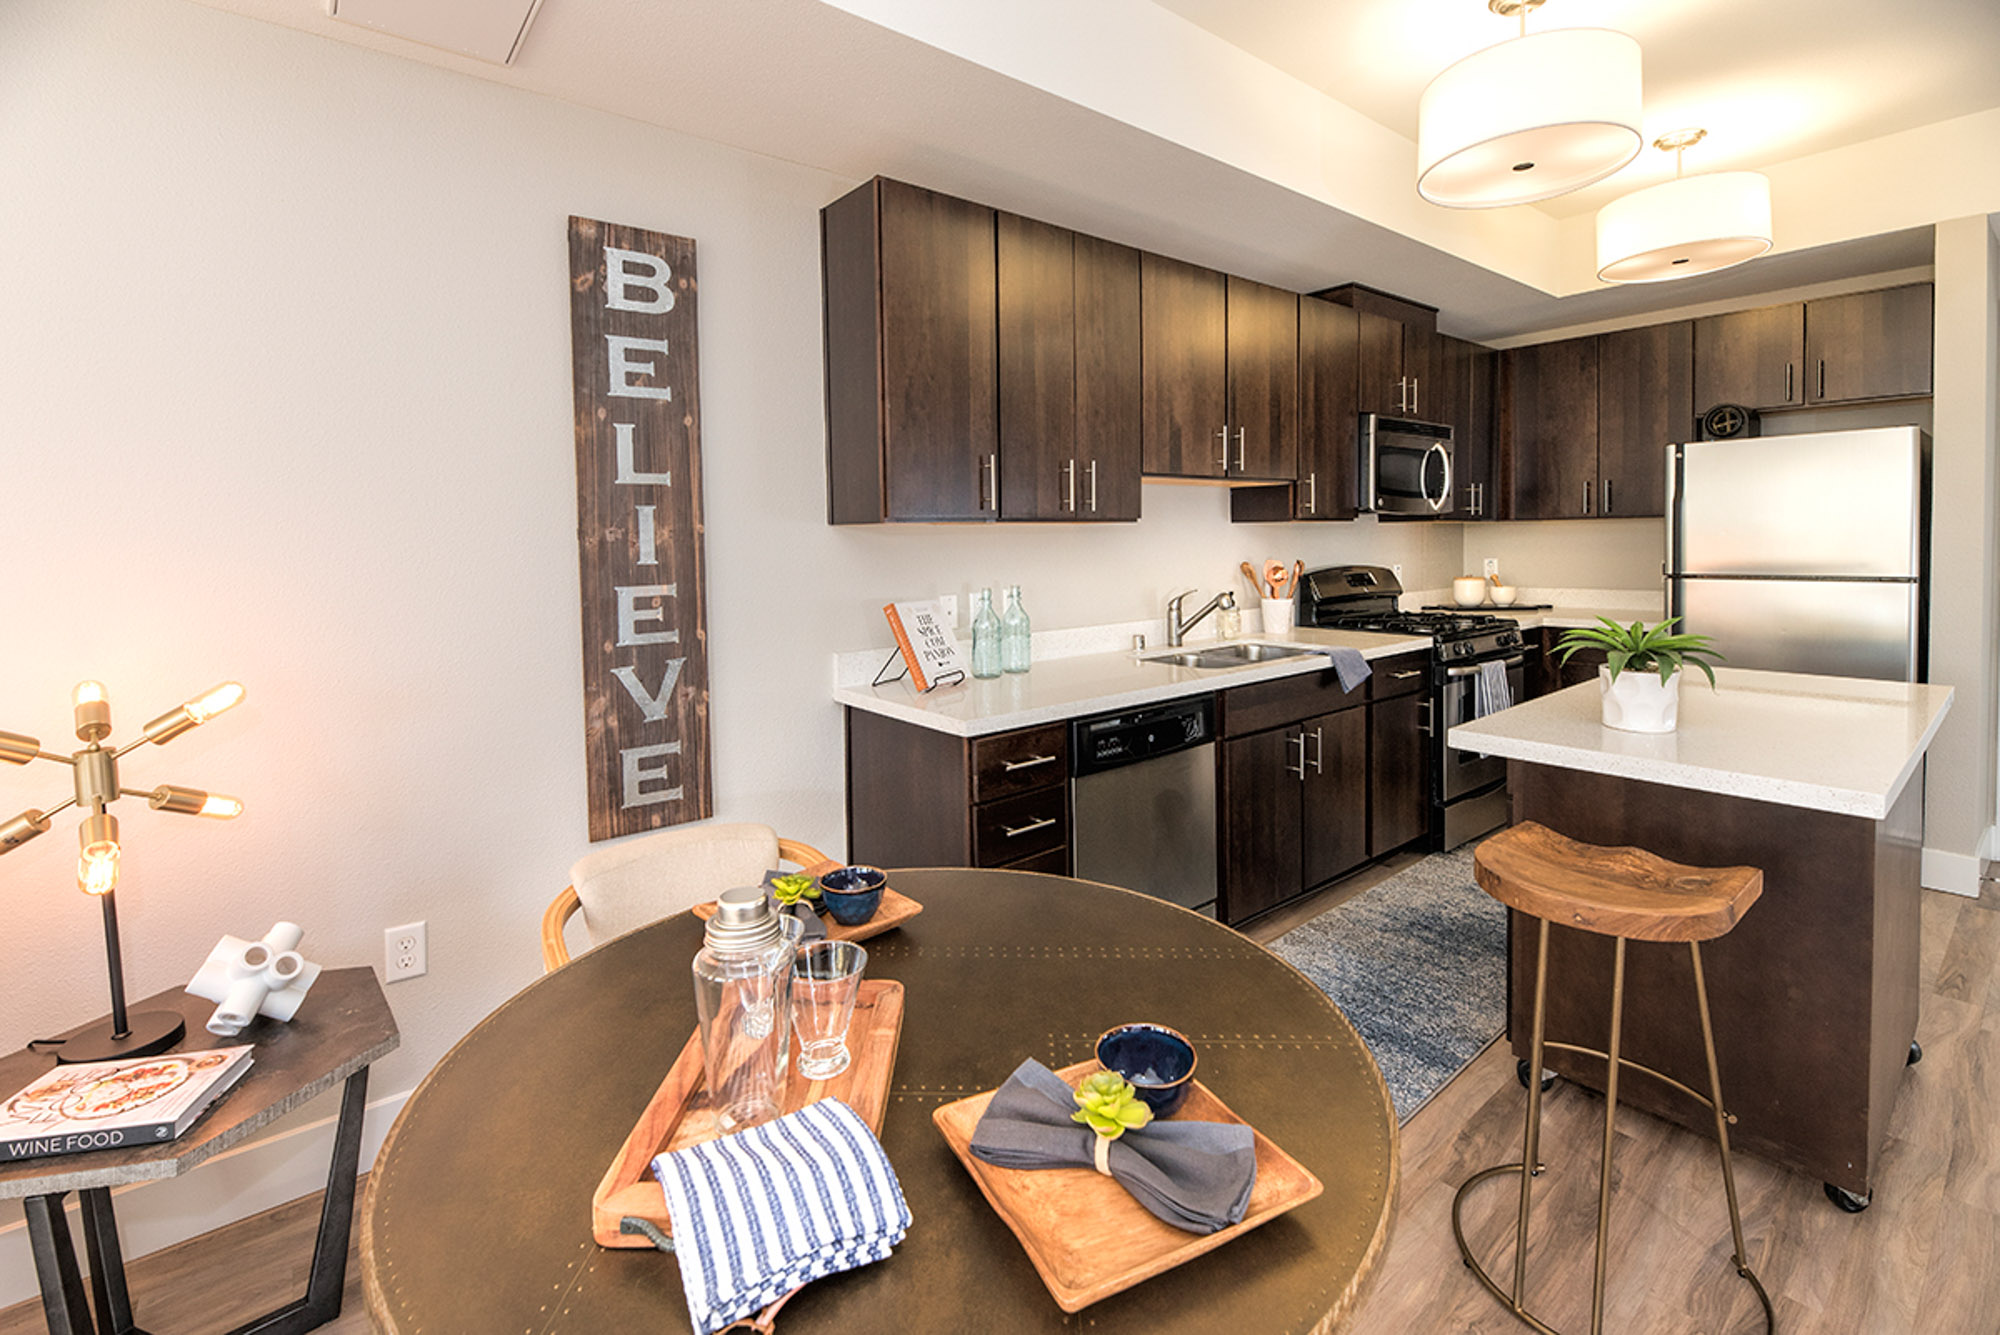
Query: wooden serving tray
x=895 y=910
x=1087 y=1237
x=679 y=1114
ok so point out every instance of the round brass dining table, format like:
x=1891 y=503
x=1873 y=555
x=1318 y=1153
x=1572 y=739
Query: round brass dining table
x=477 y=1215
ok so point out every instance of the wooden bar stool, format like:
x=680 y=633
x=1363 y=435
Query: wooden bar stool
x=1630 y=895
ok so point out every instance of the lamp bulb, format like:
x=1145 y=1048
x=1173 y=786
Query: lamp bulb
x=218 y=806
x=97 y=869
x=214 y=700
x=88 y=693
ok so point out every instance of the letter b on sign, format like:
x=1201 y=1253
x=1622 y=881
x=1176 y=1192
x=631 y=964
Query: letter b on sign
x=626 y=271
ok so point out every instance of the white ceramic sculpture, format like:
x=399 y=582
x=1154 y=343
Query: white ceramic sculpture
x=252 y=978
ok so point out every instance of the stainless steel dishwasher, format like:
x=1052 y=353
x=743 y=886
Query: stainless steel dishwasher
x=1142 y=797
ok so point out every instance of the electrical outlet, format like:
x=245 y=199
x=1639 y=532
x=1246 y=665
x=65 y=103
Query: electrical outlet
x=405 y=952
x=1492 y=565
x=948 y=605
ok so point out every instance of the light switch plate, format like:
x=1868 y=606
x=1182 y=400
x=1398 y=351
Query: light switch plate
x=1492 y=565
x=948 y=606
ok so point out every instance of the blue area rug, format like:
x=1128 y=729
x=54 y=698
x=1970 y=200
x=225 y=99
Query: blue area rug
x=1419 y=964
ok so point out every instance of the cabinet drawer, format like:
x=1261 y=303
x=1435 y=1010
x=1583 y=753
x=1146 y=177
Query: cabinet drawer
x=1054 y=862
x=1404 y=674
x=1014 y=762
x=1015 y=828
x=1273 y=704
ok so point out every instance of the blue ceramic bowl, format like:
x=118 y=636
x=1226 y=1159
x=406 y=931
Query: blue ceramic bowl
x=852 y=894
x=1158 y=1062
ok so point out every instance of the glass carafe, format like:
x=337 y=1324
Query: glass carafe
x=1014 y=633
x=985 y=638
x=743 y=993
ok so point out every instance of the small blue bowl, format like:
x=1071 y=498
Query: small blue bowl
x=1158 y=1062
x=852 y=894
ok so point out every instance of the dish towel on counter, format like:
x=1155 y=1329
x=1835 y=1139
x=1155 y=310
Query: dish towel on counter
x=760 y=1212
x=1348 y=665
x=1195 y=1175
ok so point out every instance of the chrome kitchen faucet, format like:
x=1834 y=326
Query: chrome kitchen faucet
x=1177 y=629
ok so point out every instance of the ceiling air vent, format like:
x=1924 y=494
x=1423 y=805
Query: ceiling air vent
x=490 y=30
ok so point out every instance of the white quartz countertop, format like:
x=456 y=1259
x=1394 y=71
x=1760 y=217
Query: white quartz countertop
x=1071 y=687
x=1835 y=744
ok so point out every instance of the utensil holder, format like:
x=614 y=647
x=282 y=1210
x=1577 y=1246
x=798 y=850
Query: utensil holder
x=1277 y=615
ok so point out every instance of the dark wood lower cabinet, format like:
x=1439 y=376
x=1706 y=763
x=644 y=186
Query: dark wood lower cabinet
x=1334 y=793
x=1260 y=836
x=1399 y=773
x=917 y=797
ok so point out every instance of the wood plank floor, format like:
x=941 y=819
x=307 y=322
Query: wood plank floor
x=1924 y=1259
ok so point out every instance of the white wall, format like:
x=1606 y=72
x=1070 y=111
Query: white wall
x=284 y=396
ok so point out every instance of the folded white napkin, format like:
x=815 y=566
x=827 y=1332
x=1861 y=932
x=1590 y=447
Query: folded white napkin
x=760 y=1212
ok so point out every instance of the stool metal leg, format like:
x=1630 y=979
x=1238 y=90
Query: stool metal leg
x=1531 y=1132
x=1722 y=1138
x=1610 y=1123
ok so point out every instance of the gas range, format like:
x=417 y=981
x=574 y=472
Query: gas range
x=1468 y=791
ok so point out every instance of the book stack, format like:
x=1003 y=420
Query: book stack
x=116 y=1104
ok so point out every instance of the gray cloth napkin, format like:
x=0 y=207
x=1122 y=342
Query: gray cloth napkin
x=1348 y=665
x=1195 y=1175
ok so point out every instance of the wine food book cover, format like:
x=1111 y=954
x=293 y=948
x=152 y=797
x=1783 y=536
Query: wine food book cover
x=116 y=1104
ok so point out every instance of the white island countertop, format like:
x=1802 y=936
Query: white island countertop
x=1836 y=744
x=1055 y=689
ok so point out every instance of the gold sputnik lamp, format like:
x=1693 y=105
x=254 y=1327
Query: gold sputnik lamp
x=95 y=770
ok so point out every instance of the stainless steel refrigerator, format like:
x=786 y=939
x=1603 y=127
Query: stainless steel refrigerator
x=1804 y=553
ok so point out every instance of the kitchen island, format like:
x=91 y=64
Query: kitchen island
x=1819 y=782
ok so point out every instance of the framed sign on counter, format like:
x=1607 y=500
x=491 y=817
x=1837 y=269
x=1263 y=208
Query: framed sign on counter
x=638 y=482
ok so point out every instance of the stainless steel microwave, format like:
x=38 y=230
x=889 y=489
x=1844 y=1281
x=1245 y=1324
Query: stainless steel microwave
x=1406 y=467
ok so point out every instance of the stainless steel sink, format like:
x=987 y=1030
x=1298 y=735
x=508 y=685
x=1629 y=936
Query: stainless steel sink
x=1227 y=655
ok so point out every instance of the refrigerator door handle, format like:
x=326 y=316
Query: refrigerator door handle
x=1671 y=568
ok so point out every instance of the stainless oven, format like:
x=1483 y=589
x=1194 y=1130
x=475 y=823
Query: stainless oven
x=1406 y=466
x=1471 y=788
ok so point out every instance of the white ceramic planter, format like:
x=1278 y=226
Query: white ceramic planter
x=1639 y=702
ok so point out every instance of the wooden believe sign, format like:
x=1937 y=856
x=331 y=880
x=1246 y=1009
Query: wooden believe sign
x=638 y=489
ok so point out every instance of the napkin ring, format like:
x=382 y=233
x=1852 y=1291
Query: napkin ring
x=1100 y=1153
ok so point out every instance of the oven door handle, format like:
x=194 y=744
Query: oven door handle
x=1471 y=669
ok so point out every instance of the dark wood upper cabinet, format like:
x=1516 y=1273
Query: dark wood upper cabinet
x=1328 y=465
x=1464 y=393
x=1185 y=367
x=1381 y=386
x=1263 y=380
x=1869 y=345
x=1427 y=395
x=1645 y=402
x=1109 y=388
x=1036 y=268
x=911 y=375
x=1069 y=374
x=1755 y=358
x=1548 y=401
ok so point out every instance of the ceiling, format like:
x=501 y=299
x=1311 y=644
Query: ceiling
x=1270 y=137
x=1770 y=80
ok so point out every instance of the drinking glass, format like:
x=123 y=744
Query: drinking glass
x=826 y=978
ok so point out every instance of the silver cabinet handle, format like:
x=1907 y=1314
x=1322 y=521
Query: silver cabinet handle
x=1240 y=466
x=1481 y=511
x=1016 y=831
x=1822 y=377
x=1405 y=676
x=1312 y=493
x=992 y=483
x=1586 y=498
x=1788 y=382
x=1413 y=394
x=1402 y=394
x=1300 y=772
x=1011 y=765
x=1427 y=727
x=1069 y=486
x=1093 y=486
x=1607 y=496
x=1223 y=436
x=1319 y=751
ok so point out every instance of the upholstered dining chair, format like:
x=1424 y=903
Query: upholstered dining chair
x=627 y=885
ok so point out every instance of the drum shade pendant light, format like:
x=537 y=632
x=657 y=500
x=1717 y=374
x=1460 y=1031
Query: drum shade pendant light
x=1529 y=119
x=1686 y=226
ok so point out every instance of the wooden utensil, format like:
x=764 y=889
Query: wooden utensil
x=1298 y=573
x=1256 y=585
x=1274 y=575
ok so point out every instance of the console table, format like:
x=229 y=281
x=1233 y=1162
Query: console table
x=343 y=1026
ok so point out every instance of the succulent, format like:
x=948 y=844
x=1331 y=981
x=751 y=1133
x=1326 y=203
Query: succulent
x=793 y=888
x=1640 y=647
x=1108 y=1105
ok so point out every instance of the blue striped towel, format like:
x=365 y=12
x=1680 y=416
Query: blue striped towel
x=760 y=1212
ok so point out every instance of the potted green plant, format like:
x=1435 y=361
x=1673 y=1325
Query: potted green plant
x=1640 y=679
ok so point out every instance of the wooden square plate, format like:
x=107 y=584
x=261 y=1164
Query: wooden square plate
x=679 y=1114
x=1087 y=1237
x=895 y=910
